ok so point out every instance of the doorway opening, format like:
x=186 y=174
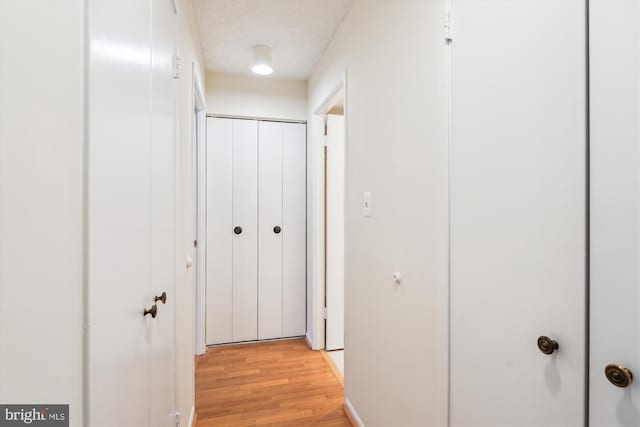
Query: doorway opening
x=332 y=114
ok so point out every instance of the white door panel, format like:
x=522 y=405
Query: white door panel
x=118 y=215
x=219 y=256
x=269 y=242
x=294 y=229
x=615 y=209
x=335 y=231
x=245 y=216
x=162 y=216
x=518 y=213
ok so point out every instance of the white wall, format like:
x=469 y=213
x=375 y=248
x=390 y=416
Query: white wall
x=191 y=55
x=41 y=203
x=394 y=56
x=255 y=96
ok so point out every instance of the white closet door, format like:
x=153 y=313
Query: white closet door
x=219 y=256
x=335 y=231
x=118 y=216
x=245 y=223
x=615 y=210
x=163 y=216
x=270 y=237
x=518 y=155
x=294 y=243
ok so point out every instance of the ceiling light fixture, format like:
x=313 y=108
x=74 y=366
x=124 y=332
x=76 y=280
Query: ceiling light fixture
x=262 y=60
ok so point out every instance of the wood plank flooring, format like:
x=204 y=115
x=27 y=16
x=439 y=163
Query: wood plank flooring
x=280 y=383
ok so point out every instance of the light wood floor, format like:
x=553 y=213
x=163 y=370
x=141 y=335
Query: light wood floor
x=280 y=384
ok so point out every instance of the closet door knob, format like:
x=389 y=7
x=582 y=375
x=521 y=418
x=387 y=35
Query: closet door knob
x=162 y=298
x=547 y=345
x=277 y=229
x=237 y=230
x=618 y=375
x=153 y=311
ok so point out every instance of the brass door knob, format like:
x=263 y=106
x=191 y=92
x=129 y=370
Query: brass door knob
x=162 y=298
x=618 y=375
x=547 y=345
x=153 y=311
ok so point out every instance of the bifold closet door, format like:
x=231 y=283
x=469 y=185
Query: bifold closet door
x=119 y=257
x=245 y=230
x=162 y=279
x=294 y=231
x=615 y=213
x=282 y=241
x=270 y=297
x=219 y=220
x=256 y=230
x=131 y=234
x=232 y=231
x=518 y=213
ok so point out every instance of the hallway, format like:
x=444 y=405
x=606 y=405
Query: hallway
x=442 y=197
x=281 y=383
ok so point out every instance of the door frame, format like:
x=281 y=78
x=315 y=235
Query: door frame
x=199 y=169
x=316 y=295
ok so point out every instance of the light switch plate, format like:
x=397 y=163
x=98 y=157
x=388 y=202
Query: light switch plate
x=367 y=208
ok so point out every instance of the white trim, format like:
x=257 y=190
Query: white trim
x=332 y=97
x=445 y=286
x=309 y=341
x=237 y=343
x=192 y=416
x=200 y=250
x=256 y=118
x=316 y=241
x=352 y=412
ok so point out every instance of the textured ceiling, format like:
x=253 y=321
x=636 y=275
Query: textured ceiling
x=298 y=31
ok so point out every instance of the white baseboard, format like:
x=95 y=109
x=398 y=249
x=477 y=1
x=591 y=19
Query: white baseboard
x=192 y=415
x=352 y=414
x=308 y=340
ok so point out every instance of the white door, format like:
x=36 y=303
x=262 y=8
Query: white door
x=518 y=218
x=118 y=216
x=294 y=229
x=232 y=231
x=615 y=212
x=270 y=301
x=245 y=230
x=131 y=214
x=282 y=230
x=163 y=216
x=219 y=235
x=335 y=232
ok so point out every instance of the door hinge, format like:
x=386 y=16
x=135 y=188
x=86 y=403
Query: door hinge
x=178 y=418
x=448 y=31
x=177 y=66
x=324 y=313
